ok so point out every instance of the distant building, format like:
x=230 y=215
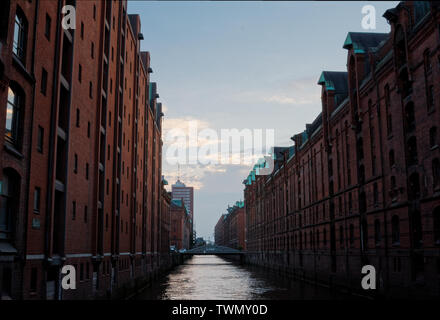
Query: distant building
x=230 y=228
x=180 y=225
x=180 y=191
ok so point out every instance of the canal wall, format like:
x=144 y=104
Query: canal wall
x=160 y=267
x=316 y=269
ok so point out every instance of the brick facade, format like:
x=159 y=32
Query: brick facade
x=81 y=161
x=230 y=228
x=361 y=185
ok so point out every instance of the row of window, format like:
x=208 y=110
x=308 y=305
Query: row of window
x=395 y=233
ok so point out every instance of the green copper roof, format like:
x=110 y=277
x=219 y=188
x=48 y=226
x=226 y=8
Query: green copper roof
x=363 y=41
x=328 y=84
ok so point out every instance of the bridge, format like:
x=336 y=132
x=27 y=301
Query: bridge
x=213 y=250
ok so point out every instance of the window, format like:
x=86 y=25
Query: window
x=34 y=273
x=37 y=199
x=14 y=106
x=437 y=226
x=351 y=234
x=360 y=149
x=86 y=213
x=77 y=117
x=43 y=88
x=433 y=137
x=73 y=210
x=40 y=139
x=20 y=35
x=87 y=171
x=75 y=164
x=364 y=234
x=94 y=12
x=412 y=150
x=436 y=173
x=92 y=50
x=9 y=202
x=106 y=221
x=341 y=236
x=375 y=194
x=377 y=235
x=410 y=117
x=79 y=73
x=430 y=97
x=414 y=186
x=88 y=129
x=82 y=30
x=391 y=158
x=387 y=107
x=325 y=237
x=395 y=230
x=47 y=27
x=90 y=90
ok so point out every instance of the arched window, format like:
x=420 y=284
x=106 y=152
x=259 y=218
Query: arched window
x=377 y=234
x=436 y=226
x=436 y=173
x=395 y=230
x=14 y=111
x=20 y=35
x=9 y=203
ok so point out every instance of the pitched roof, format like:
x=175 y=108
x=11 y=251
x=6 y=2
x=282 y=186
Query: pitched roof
x=363 y=41
x=334 y=80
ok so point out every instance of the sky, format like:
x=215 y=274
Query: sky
x=244 y=65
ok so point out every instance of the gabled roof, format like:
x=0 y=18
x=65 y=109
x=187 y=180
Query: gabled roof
x=334 y=80
x=363 y=41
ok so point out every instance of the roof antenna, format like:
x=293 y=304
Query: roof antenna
x=178 y=172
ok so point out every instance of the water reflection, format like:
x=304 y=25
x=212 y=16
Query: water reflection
x=212 y=277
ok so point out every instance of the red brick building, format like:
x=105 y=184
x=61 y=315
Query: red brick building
x=165 y=225
x=361 y=185
x=80 y=162
x=230 y=229
x=180 y=227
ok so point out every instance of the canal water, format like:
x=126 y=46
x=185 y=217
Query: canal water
x=213 y=277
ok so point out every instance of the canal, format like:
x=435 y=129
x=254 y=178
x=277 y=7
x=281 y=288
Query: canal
x=213 y=277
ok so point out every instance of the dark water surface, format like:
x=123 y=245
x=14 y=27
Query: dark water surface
x=213 y=277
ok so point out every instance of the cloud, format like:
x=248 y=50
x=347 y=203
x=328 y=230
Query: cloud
x=298 y=92
x=206 y=149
